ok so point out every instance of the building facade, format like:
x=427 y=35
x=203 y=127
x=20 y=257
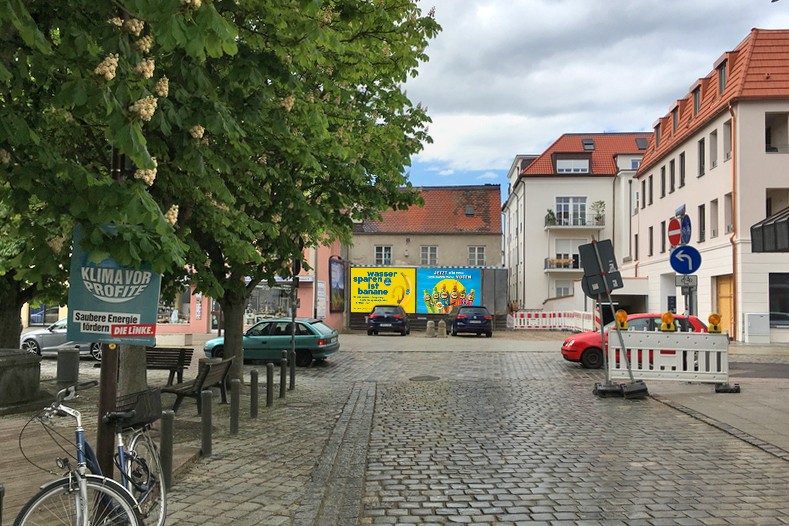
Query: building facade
x=575 y=191
x=720 y=156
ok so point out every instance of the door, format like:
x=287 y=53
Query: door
x=724 y=293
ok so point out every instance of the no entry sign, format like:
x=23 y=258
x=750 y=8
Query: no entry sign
x=674 y=232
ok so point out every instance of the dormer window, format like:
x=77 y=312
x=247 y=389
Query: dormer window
x=722 y=77
x=588 y=144
x=657 y=136
x=675 y=119
x=572 y=166
x=696 y=101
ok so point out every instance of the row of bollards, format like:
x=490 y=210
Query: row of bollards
x=207 y=396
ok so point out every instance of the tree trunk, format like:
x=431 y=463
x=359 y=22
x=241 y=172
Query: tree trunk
x=10 y=320
x=233 y=313
x=132 y=373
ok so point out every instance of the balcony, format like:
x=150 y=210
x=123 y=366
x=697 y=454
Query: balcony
x=587 y=222
x=562 y=264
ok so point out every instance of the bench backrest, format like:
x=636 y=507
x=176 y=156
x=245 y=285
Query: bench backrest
x=212 y=372
x=168 y=357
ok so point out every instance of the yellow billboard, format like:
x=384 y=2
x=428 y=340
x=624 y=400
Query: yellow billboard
x=372 y=286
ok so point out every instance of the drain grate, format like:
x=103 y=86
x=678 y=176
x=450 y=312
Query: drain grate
x=424 y=378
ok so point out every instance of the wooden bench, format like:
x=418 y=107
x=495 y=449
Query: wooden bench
x=173 y=359
x=211 y=373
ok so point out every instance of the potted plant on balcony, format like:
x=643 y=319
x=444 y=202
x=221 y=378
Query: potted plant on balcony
x=550 y=217
x=598 y=208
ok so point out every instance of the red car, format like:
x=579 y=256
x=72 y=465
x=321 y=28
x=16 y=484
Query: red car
x=586 y=347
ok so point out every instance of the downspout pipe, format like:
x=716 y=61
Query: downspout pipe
x=733 y=235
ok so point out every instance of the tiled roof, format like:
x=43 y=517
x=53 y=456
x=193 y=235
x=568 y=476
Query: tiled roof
x=758 y=68
x=606 y=147
x=444 y=212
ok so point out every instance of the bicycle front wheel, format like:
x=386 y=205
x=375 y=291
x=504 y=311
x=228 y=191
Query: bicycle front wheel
x=59 y=502
x=146 y=479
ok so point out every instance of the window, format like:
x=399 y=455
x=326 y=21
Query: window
x=650 y=190
x=682 y=169
x=571 y=211
x=588 y=144
x=779 y=299
x=662 y=237
x=714 y=149
x=657 y=136
x=675 y=119
x=476 y=256
x=641 y=143
x=776 y=132
x=635 y=163
x=567 y=252
x=701 y=157
x=721 y=78
x=696 y=101
x=564 y=288
x=727 y=140
x=575 y=166
x=650 y=249
x=428 y=255
x=671 y=176
x=635 y=245
x=702 y=222
x=662 y=182
x=644 y=193
x=714 y=231
x=383 y=255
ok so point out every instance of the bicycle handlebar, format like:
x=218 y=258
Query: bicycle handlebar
x=63 y=393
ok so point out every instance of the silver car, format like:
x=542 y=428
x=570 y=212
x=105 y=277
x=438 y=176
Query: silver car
x=49 y=340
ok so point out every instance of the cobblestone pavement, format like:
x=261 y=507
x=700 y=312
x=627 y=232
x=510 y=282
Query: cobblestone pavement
x=400 y=431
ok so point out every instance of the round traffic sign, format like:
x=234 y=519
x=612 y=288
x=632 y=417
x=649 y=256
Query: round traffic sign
x=685 y=260
x=674 y=232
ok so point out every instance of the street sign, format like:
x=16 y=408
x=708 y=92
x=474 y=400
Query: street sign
x=685 y=222
x=686 y=280
x=685 y=260
x=674 y=232
x=601 y=273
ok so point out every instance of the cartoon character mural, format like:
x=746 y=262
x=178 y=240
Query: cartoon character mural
x=444 y=288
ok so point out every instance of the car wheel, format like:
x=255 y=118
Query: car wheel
x=303 y=358
x=375 y=333
x=488 y=334
x=369 y=332
x=95 y=351
x=592 y=358
x=31 y=346
x=403 y=332
x=453 y=331
x=218 y=352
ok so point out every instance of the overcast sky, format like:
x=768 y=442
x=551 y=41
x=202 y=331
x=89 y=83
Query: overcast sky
x=508 y=77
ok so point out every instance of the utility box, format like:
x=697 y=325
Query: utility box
x=757 y=328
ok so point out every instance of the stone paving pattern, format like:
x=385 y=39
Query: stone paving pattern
x=502 y=431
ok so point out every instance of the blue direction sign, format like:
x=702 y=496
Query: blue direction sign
x=685 y=225
x=685 y=260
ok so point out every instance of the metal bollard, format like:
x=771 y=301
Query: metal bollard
x=235 y=402
x=253 y=394
x=166 y=446
x=283 y=374
x=206 y=423
x=292 y=385
x=269 y=384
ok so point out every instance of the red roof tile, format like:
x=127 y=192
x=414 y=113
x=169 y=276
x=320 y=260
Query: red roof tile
x=444 y=212
x=606 y=147
x=757 y=69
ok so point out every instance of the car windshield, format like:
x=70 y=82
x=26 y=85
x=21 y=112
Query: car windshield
x=473 y=310
x=322 y=328
x=386 y=310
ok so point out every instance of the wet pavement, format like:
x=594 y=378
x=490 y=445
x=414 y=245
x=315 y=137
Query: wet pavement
x=501 y=431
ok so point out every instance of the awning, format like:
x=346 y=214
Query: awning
x=771 y=234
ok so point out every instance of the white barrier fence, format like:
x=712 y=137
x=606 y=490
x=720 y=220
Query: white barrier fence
x=560 y=320
x=688 y=356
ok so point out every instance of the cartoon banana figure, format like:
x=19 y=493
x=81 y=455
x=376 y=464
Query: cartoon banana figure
x=407 y=289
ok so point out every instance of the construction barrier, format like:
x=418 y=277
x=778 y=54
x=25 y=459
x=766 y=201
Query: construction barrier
x=686 y=356
x=559 y=320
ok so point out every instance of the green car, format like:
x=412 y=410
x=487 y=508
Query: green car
x=267 y=339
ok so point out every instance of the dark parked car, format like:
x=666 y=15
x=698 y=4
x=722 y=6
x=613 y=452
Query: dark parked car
x=586 y=347
x=47 y=341
x=388 y=318
x=467 y=318
x=267 y=339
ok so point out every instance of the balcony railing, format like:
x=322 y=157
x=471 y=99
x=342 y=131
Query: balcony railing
x=562 y=263
x=575 y=221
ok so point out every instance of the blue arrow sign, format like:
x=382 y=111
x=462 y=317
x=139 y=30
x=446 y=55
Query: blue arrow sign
x=685 y=226
x=685 y=260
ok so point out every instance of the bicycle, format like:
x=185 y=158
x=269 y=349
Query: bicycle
x=79 y=498
x=137 y=456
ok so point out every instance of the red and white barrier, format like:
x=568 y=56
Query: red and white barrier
x=559 y=320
